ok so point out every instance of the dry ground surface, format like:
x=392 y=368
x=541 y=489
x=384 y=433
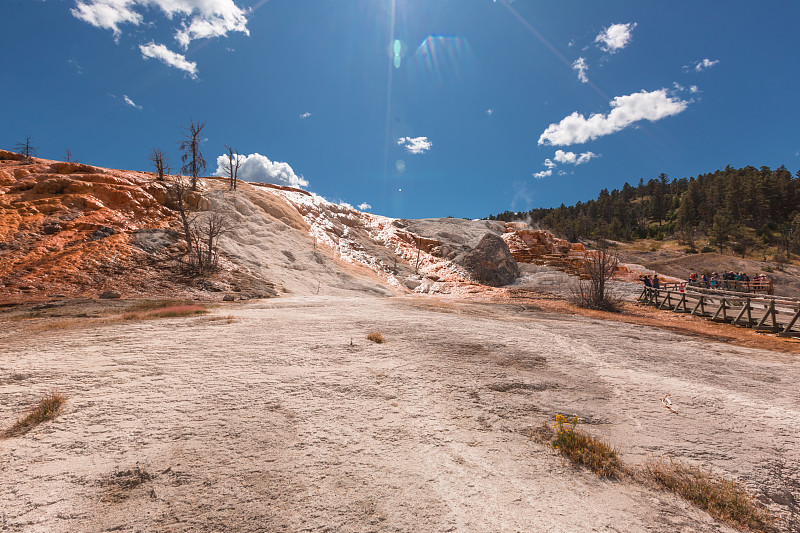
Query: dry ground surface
x=279 y=415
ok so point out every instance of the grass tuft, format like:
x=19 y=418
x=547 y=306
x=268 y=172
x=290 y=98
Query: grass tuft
x=723 y=499
x=147 y=305
x=376 y=337
x=48 y=408
x=171 y=311
x=586 y=450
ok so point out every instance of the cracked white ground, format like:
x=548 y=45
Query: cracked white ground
x=273 y=421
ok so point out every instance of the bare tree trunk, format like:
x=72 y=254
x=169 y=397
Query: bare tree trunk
x=232 y=167
x=27 y=148
x=179 y=190
x=192 y=158
x=159 y=160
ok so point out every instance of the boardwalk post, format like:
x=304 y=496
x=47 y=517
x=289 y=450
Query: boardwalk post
x=749 y=314
x=745 y=309
x=721 y=309
x=699 y=304
x=785 y=332
x=741 y=313
x=770 y=311
x=682 y=302
x=666 y=302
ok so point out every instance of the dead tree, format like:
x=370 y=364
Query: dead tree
x=201 y=231
x=206 y=231
x=27 y=148
x=231 y=168
x=179 y=190
x=159 y=160
x=67 y=155
x=192 y=158
x=592 y=291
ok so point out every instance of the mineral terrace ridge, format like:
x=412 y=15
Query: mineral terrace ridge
x=273 y=412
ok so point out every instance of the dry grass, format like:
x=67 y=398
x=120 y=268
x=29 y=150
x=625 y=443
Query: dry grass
x=71 y=318
x=48 y=408
x=61 y=323
x=722 y=498
x=376 y=337
x=169 y=311
x=147 y=305
x=228 y=319
x=586 y=450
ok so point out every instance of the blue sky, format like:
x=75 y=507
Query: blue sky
x=418 y=108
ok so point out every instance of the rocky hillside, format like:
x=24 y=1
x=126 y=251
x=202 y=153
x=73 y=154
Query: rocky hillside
x=77 y=230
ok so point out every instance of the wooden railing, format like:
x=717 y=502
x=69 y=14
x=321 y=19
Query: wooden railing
x=763 y=287
x=777 y=315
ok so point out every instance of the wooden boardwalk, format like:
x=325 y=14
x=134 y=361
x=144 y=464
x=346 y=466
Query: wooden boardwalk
x=773 y=314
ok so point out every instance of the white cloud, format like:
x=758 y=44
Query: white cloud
x=108 y=14
x=628 y=109
x=305 y=115
x=585 y=157
x=490 y=112
x=364 y=206
x=572 y=158
x=256 y=167
x=199 y=19
x=581 y=66
x=168 y=57
x=693 y=89
x=415 y=145
x=565 y=158
x=705 y=64
x=130 y=102
x=615 y=37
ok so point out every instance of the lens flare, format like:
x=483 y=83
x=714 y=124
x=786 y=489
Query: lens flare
x=397 y=51
x=444 y=57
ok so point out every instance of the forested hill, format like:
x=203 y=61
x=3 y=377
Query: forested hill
x=731 y=206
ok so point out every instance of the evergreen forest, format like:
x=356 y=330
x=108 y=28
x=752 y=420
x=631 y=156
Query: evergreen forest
x=736 y=208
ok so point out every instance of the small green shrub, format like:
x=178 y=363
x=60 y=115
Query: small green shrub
x=708 y=250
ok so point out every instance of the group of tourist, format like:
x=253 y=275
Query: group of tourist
x=723 y=280
x=726 y=280
x=730 y=281
x=651 y=281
